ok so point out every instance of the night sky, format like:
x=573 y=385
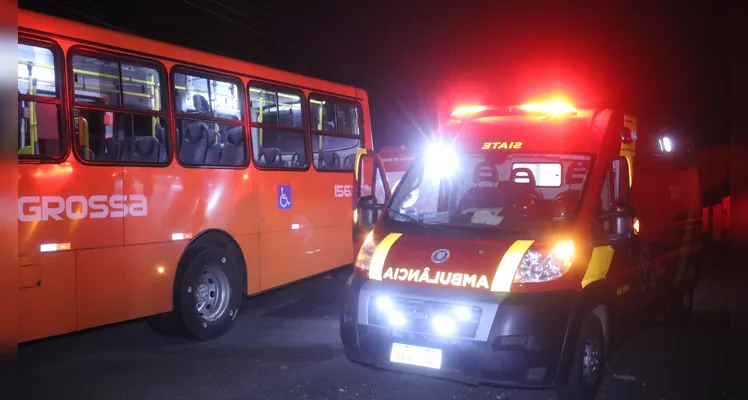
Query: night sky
x=665 y=62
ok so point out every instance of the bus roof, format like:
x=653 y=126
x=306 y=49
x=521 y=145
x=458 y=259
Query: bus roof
x=44 y=25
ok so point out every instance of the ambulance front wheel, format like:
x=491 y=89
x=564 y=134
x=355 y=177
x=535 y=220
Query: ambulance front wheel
x=209 y=294
x=587 y=363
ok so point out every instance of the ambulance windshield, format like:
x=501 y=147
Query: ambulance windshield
x=517 y=192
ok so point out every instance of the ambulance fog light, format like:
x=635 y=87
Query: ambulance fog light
x=463 y=313
x=443 y=325
x=384 y=303
x=396 y=319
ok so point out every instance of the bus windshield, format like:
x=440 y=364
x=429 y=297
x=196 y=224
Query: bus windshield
x=489 y=193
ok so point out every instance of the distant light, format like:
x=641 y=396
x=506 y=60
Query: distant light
x=246 y=176
x=666 y=144
x=160 y=270
x=468 y=110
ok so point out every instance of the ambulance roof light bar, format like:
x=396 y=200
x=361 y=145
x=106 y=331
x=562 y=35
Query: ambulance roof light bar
x=554 y=108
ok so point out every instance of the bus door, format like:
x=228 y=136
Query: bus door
x=371 y=193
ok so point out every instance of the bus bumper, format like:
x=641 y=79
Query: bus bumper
x=517 y=339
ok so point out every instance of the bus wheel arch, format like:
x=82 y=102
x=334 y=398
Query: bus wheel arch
x=211 y=237
x=210 y=272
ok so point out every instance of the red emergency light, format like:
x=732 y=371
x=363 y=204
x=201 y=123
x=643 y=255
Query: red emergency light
x=464 y=110
x=553 y=108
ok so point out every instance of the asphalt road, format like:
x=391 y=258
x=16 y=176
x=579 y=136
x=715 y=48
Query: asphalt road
x=286 y=345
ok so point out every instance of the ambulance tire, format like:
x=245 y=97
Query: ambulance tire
x=681 y=307
x=587 y=363
x=209 y=294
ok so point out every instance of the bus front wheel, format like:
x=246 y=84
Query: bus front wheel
x=210 y=294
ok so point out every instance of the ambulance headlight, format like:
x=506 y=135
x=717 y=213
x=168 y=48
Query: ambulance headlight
x=363 y=260
x=543 y=265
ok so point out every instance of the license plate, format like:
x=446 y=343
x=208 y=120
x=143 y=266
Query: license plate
x=416 y=355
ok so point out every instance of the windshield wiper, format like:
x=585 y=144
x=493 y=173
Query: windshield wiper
x=410 y=217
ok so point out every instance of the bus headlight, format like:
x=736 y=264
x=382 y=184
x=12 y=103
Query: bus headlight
x=543 y=265
x=363 y=260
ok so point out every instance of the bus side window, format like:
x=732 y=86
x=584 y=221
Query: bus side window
x=119 y=113
x=39 y=100
x=337 y=128
x=210 y=131
x=278 y=132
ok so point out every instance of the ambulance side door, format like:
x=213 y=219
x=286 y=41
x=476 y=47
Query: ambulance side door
x=614 y=228
x=371 y=192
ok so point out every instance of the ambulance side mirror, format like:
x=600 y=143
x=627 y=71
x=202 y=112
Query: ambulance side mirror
x=616 y=224
x=367 y=210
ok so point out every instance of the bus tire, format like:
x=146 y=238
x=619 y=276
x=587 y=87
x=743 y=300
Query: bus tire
x=587 y=363
x=209 y=294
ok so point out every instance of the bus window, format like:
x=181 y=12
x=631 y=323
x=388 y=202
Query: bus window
x=119 y=115
x=209 y=121
x=337 y=126
x=278 y=135
x=39 y=133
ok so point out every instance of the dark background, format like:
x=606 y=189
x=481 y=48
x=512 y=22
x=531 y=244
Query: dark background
x=666 y=62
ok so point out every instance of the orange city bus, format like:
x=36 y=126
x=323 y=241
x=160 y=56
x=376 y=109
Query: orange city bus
x=156 y=180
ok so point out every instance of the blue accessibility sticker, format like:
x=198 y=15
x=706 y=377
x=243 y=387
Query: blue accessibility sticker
x=284 y=197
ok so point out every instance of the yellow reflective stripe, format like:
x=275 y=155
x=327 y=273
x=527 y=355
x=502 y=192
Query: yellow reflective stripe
x=599 y=264
x=359 y=153
x=380 y=254
x=507 y=268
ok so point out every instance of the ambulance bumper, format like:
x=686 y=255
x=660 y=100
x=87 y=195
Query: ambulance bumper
x=517 y=339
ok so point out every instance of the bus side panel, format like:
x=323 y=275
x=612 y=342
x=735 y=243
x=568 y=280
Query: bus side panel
x=305 y=224
x=250 y=245
x=324 y=250
x=123 y=283
x=185 y=201
x=46 y=295
x=69 y=204
x=61 y=208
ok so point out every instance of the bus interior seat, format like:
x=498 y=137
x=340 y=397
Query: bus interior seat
x=194 y=144
x=161 y=137
x=348 y=161
x=213 y=152
x=202 y=106
x=233 y=152
x=91 y=154
x=145 y=150
x=128 y=147
x=329 y=160
x=109 y=150
x=484 y=194
x=271 y=157
x=296 y=160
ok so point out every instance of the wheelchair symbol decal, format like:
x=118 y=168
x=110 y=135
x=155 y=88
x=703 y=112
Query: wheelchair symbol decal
x=284 y=197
